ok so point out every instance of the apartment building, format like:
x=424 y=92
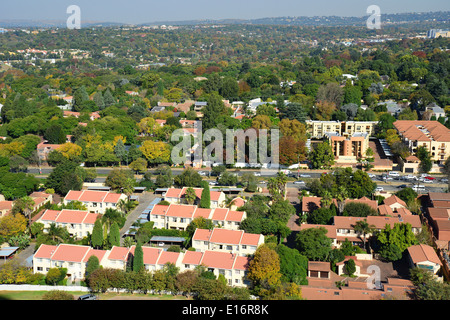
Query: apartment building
x=74 y=257
x=223 y=240
x=347 y=149
x=430 y=134
x=179 y=216
x=176 y=195
x=95 y=201
x=317 y=129
x=78 y=223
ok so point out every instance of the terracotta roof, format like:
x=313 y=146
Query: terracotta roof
x=442 y=196
x=168 y=257
x=423 y=130
x=202 y=235
x=341 y=222
x=69 y=216
x=160 y=210
x=45 y=251
x=69 y=252
x=309 y=204
x=202 y=212
x=439 y=213
x=219 y=260
x=119 y=253
x=94 y=252
x=238 y=202
x=331 y=230
x=319 y=266
x=234 y=216
x=93 y=196
x=393 y=200
x=151 y=255
x=219 y=214
x=180 y=210
x=192 y=257
x=385 y=210
x=226 y=236
x=241 y=263
x=6 y=205
x=422 y=253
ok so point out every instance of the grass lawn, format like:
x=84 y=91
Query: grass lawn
x=37 y=295
x=28 y=295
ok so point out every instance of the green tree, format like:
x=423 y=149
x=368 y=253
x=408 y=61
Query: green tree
x=293 y=265
x=314 y=244
x=362 y=228
x=97 y=235
x=190 y=195
x=92 y=265
x=138 y=260
x=349 y=267
x=394 y=241
x=114 y=235
x=80 y=96
x=55 y=134
x=188 y=178
x=322 y=156
x=205 y=201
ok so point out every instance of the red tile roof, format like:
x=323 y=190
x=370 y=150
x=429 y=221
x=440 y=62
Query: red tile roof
x=192 y=257
x=422 y=253
x=168 y=257
x=69 y=252
x=92 y=196
x=45 y=251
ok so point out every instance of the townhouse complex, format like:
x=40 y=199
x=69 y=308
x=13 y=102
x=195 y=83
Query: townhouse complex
x=95 y=201
x=74 y=257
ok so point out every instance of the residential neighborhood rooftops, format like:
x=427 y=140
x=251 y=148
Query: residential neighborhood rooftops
x=422 y=253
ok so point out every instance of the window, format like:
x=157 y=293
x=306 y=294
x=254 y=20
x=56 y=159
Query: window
x=244 y=247
x=39 y=268
x=182 y=220
x=229 y=248
x=187 y=266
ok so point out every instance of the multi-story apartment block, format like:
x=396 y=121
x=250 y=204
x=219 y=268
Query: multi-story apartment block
x=78 y=223
x=175 y=195
x=74 y=257
x=317 y=129
x=430 y=134
x=179 y=216
x=223 y=240
x=95 y=201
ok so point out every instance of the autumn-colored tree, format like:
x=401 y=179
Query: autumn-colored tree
x=264 y=268
x=11 y=225
x=155 y=152
x=147 y=126
x=261 y=122
x=291 y=150
x=325 y=109
x=70 y=150
x=293 y=128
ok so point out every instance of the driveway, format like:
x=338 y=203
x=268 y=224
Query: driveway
x=144 y=200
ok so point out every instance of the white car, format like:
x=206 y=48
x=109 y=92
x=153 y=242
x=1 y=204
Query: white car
x=299 y=182
x=213 y=183
x=371 y=175
x=304 y=175
x=257 y=174
x=379 y=189
x=444 y=180
x=202 y=173
x=394 y=174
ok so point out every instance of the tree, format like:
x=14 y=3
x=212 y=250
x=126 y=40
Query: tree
x=70 y=151
x=97 y=234
x=188 y=178
x=331 y=92
x=190 y=195
x=24 y=205
x=164 y=178
x=322 y=156
x=138 y=259
x=281 y=210
x=349 y=267
x=293 y=265
x=114 y=235
x=321 y=216
x=92 y=265
x=363 y=228
x=12 y=225
x=67 y=175
x=80 y=96
x=425 y=159
x=314 y=244
x=55 y=134
x=359 y=209
x=394 y=241
x=108 y=98
x=264 y=268
x=120 y=151
x=155 y=152
x=212 y=111
x=205 y=201
x=407 y=195
x=120 y=179
x=138 y=165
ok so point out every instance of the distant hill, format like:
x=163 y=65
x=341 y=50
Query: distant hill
x=417 y=17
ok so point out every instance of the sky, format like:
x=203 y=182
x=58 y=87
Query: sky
x=142 y=11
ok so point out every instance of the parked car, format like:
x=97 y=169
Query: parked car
x=371 y=175
x=202 y=173
x=299 y=182
x=263 y=182
x=445 y=180
x=418 y=188
x=88 y=296
x=402 y=186
x=379 y=189
x=213 y=183
x=304 y=175
x=394 y=174
x=257 y=174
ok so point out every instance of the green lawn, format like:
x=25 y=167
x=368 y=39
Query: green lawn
x=28 y=295
x=37 y=295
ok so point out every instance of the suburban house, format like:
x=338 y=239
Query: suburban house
x=40 y=199
x=179 y=216
x=78 y=223
x=430 y=134
x=331 y=231
x=5 y=208
x=95 y=201
x=345 y=226
x=224 y=240
x=44 y=148
x=176 y=195
x=424 y=256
